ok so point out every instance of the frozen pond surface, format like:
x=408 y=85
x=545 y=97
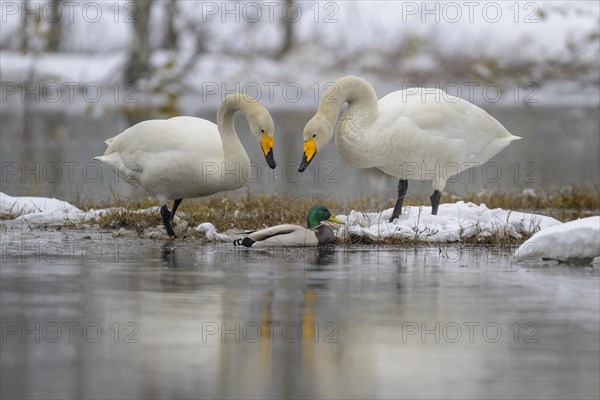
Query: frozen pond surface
x=184 y=320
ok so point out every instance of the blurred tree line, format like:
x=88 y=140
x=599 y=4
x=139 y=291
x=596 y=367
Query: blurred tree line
x=47 y=33
x=181 y=24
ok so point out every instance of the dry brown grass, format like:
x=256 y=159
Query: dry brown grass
x=563 y=204
x=247 y=212
x=116 y=218
x=250 y=212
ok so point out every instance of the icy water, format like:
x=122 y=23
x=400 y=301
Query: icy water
x=86 y=315
x=51 y=154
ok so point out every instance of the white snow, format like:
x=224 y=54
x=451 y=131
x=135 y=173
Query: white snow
x=235 y=51
x=575 y=241
x=211 y=233
x=47 y=211
x=572 y=241
x=38 y=209
x=53 y=212
x=454 y=222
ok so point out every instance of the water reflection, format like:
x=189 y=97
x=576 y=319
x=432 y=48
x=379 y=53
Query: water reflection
x=214 y=321
x=168 y=254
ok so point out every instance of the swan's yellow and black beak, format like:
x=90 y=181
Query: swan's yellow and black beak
x=267 y=146
x=310 y=149
x=334 y=219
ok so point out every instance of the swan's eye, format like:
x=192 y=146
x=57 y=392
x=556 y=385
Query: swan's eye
x=314 y=135
x=262 y=131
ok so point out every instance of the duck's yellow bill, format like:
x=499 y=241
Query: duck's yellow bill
x=266 y=143
x=334 y=219
x=310 y=148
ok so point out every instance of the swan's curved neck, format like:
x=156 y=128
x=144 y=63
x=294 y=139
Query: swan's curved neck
x=361 y=99
x=232 y=147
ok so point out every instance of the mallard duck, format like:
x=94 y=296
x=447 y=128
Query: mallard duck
x=185 y=157
x=295 y=235
x=411 y=134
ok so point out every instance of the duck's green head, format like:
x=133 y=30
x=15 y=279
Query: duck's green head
x=318 y=214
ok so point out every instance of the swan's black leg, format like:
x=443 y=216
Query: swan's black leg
x=402 y=188
x=175 y=205
x=435 y=201
x=166 y=217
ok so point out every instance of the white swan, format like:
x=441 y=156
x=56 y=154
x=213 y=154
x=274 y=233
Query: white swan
x=185 y=157
x=289 y=235
x=417 y=134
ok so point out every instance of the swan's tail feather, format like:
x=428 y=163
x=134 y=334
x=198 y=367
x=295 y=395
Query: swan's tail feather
x=113 y=161
x=106 y=157
x=493 y=148
x=129 y=172
x=103 y=159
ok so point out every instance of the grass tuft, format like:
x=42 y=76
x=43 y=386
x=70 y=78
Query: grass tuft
x=115 y=218
x=229 y=212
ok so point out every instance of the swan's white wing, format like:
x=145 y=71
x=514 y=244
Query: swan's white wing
x=166 y=156
x=176 y=134
x=426 y=125
x=200 y=124
x=441 y=114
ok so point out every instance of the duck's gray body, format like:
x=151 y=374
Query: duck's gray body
x=289 y=235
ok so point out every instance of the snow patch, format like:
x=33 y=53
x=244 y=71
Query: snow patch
x=573 y=241
x=29 y=205
x=38 y=209
x=454 y=222
x=211 y=233
x=576 y=241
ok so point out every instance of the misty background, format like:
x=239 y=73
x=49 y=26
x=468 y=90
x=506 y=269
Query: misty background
x=76 y=73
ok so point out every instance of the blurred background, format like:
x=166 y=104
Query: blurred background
x=75 y=74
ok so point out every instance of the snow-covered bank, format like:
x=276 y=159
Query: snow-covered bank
x=576 y=241
x=51 y=212
x=39 y=210
x=454 y=222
